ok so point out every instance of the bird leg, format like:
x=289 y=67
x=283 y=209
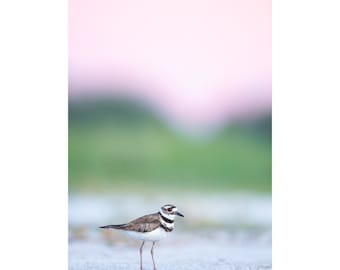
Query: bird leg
x=153 y=260
x=141 y=256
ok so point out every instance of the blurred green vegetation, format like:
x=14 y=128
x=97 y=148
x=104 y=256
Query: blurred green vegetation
x=117 y=144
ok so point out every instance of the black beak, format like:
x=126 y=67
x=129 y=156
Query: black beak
x=179 y=214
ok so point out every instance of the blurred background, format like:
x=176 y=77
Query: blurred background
x=170 y=102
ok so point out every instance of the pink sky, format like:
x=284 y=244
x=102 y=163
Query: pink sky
x=199 y=62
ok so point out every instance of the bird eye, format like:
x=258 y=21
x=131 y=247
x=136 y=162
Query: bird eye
x=169 y=210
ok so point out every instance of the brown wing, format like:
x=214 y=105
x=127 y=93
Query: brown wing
x=145 y=223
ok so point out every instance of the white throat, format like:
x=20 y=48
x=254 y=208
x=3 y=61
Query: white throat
x=171 y=217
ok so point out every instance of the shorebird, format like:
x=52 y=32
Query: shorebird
x=153 y=228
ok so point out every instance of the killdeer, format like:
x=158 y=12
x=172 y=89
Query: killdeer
x=153 y=227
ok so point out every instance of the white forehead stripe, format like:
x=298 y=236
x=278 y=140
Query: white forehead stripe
x=169 y=206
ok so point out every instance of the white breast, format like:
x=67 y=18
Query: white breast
x=154 y=235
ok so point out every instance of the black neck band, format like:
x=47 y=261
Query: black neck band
x=166 y=228
x=166 y=219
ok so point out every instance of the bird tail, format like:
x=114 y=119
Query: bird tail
x=120 y=226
